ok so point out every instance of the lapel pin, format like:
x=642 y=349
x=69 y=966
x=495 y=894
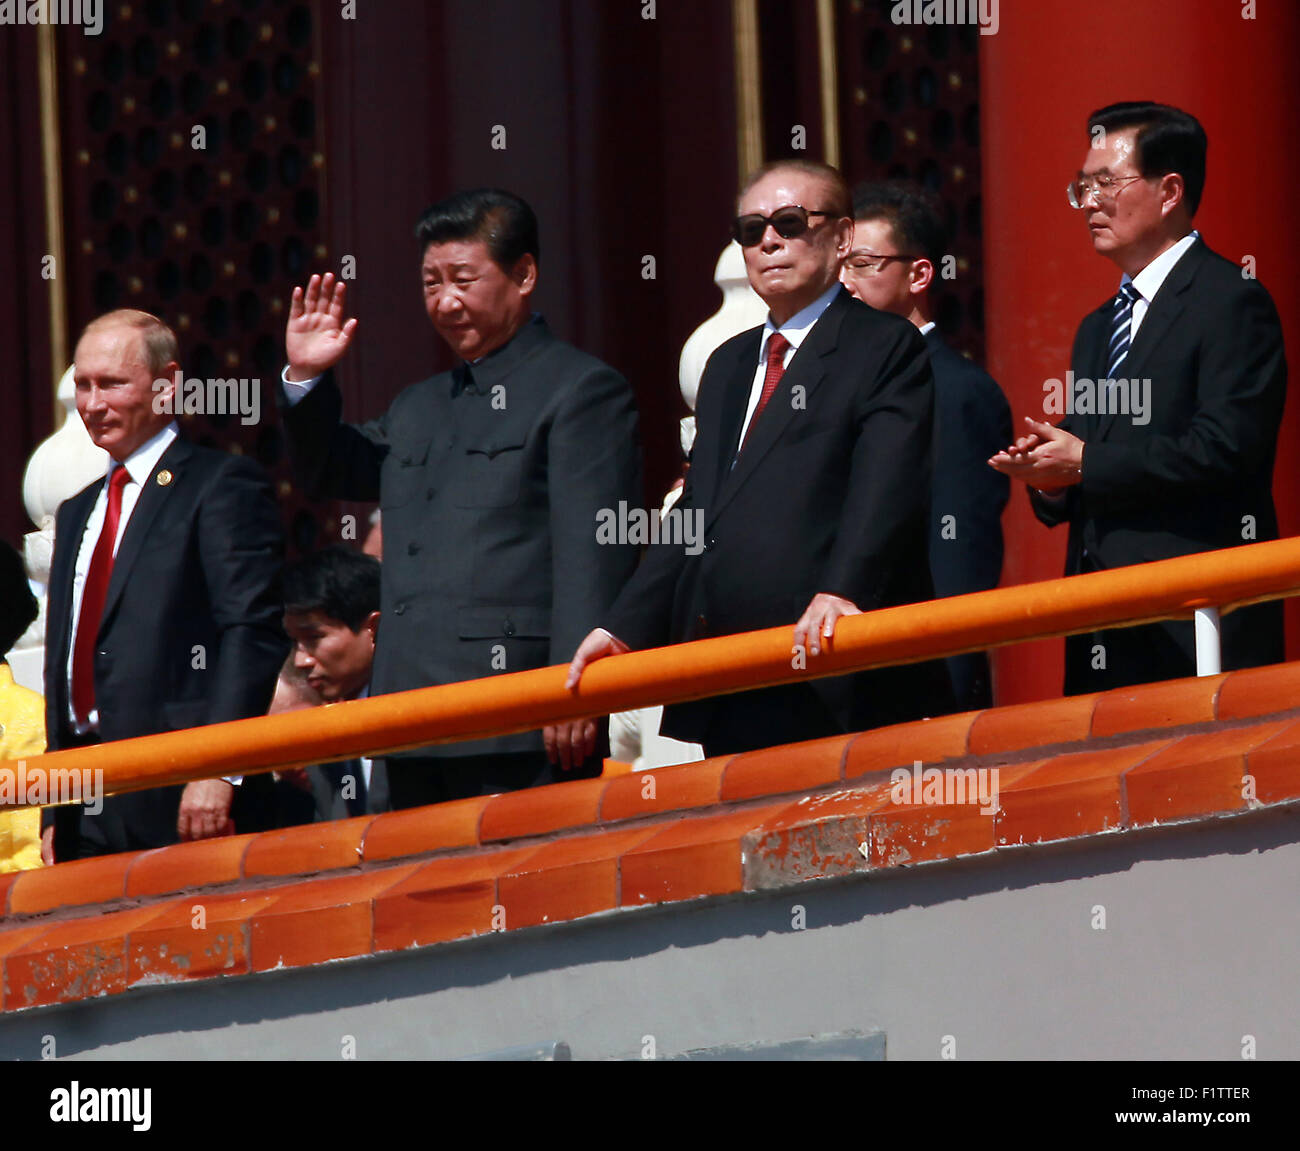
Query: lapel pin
x=164 y=478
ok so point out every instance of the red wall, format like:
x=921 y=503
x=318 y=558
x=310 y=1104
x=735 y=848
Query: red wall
x=1049 y=65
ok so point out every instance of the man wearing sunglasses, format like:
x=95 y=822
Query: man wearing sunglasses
x=811 y=471
x=1200 y=341
x=899 y=240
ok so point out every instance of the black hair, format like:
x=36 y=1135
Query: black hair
x=504 y=222
x=338 y=582
x=18 y=607
x=1168 y=140
x=914 y=214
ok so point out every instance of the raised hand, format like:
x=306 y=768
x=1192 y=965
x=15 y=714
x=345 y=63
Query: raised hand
x=317 y=336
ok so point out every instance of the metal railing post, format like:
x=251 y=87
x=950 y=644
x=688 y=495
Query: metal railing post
x=1208 y=658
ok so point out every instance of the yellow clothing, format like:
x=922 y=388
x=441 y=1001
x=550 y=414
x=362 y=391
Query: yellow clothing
x=22 y=734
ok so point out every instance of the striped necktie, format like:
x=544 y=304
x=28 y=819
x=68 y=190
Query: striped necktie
x=1121 y=329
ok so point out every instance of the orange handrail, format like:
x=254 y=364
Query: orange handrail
x=524 y=701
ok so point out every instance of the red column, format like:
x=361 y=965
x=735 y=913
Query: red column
x=1052 y=62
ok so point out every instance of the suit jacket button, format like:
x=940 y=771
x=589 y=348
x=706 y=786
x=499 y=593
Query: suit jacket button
x=508 y=626
x=412 y=548
x=710 y=544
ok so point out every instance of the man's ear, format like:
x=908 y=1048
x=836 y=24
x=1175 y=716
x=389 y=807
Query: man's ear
x=524 y=273
x=164 y=398
x=1173 y=191
x=843 y=236
x=922 y=276
x=371 y=624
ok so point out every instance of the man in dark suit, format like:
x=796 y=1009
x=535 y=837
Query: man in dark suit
x=331 y=612
x=810 y=473
x=898 y=245
x=1173 y=402
x=491 y=479
x=164 y=595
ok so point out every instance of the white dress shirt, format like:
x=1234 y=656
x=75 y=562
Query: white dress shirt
x=1148 y=281
x=796 y=330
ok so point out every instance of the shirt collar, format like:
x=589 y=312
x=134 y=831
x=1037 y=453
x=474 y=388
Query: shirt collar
x=141 y=462
x=478 y=376
x=1148 y=280
x=800 y=324
x=926 y=328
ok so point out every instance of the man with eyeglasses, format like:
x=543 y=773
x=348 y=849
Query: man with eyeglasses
x=1175 y=456
x=810 y=471
x=898 y=244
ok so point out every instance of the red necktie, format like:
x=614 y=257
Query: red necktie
x=776 y=348
x=92 y=601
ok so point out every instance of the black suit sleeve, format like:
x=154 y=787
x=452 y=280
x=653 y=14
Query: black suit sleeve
x=972 y=422
x=593 y=463
x=1059 y=507
x=241 y=552
x=330 y=458
x=888 y=490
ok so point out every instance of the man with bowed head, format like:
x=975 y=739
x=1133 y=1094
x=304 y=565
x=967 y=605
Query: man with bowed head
x=1172 y=453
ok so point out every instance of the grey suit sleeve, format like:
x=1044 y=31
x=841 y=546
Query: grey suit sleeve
x=593 y=463
x=332 y=459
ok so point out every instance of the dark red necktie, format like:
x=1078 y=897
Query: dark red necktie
x=92 y=601
x=776 y=348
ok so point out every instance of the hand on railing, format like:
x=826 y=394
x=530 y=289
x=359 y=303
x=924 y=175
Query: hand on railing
x=568 y=744
x=596 y=646
x=818 y=620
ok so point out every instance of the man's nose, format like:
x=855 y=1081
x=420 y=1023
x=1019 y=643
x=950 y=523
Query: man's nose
x=848 y=281
x=302 y=659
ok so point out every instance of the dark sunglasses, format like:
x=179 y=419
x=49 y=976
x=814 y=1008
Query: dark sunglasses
x=789 y=222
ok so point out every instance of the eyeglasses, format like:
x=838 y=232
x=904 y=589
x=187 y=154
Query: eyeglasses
x=1102 y=186
x=789 y=222
x=860 y=260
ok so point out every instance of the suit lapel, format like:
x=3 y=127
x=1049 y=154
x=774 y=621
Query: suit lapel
x=806 y=371
x=67 y=543
x=1160 y=316
x=735 y=399
x=1095 y=365
x=154 y=496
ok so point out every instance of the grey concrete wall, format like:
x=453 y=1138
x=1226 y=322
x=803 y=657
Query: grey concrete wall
x=1200 y=948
